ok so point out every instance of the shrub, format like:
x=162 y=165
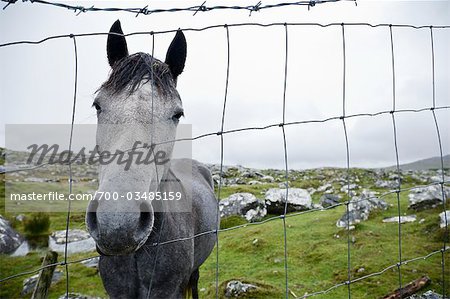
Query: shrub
x=37 y=223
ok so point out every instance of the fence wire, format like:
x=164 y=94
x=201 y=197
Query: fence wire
x=195 y=9
x=282 y=125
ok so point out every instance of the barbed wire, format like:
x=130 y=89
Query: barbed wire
x=259 y=6
x=282 y=125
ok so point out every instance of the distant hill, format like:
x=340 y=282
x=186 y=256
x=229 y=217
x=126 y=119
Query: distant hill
x=425 y=164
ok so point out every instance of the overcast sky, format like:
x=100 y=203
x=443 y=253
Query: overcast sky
x=36 y=81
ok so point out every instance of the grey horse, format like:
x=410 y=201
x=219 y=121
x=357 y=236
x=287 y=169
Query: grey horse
x=148 y=248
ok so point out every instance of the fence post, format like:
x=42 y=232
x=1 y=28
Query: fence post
x=45 y=276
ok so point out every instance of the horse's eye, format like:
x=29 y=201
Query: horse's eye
x=177 y=116
x=97 y=107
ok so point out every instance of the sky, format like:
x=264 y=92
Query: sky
x=36 y=81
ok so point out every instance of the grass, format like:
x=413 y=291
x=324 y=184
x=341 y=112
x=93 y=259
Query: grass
x=316 y=250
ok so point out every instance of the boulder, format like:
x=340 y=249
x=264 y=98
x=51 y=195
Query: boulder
x=74 y=235
x=328 y=200
x=10 y=240
x=427 y=295
x=360 y=208
x=236 y=288
x=345 y=188
x=298 y=200
x=243 y=204
x=427 y=197
x=443 y=216
x=403 y=219
x=91 y=263
x=386 y=184
x=267 y=179
x=325 y=187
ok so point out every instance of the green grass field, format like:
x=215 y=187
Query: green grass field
x=316 y=249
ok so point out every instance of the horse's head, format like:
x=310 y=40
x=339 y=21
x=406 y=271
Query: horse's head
x=138 y=106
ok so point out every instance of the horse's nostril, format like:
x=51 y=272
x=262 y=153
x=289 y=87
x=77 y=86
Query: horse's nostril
x=145 y=215
x=91 y=219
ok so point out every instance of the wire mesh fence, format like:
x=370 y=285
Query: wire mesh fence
x=343 y=117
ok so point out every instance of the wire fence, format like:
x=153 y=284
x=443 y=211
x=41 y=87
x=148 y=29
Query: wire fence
x=343 y=118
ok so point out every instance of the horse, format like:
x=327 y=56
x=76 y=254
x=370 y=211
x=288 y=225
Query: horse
x=148 y=248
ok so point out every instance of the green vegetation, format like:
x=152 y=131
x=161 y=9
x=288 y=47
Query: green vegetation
x=316 y=248
x=36 y=224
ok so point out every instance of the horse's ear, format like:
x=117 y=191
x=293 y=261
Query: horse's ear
x=176 y=54
x=116 y=46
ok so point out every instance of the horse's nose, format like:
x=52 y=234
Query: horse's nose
x=119 y=230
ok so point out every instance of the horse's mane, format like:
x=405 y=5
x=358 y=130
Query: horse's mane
x=130 y=71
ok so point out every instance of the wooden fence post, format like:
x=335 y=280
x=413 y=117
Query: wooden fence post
x=45 y=276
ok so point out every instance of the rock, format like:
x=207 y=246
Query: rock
x=298 y=200
x=325 y=187
x=427 y=295
x=91 y=263
x=254 y=183
x=77 y=296
x=74 y=236
x=426 y=197
x=328 y=200
x=20 y=217
x=243 y=204
x=268 y=179
x=311 y=190
x=403 y=219
x=346 y=187
x=35 y=180
x=444 y=215
x=10 y=240
x=235 y=288
x=386 y=184
x=30 y=283
x=360 y=208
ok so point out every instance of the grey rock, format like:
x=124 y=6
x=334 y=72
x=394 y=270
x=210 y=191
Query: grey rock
x=345 y=188
x=442 y=216
x=73 y=236
x=20 y=217
x=298 y=200
x=243 y=204
x=427 y=295
x=91 y=263
x=10 y=240
x=35 y=180
x=268 y=179
x=360 y=208
x=30 y=283
x=403 y=219
x=325 y=187
x=386 y=184
x=253 y=182
x=236 y=288
x=426 y=197
x=328 y=200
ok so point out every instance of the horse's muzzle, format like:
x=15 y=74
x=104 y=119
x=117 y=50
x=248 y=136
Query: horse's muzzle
x=118 y=232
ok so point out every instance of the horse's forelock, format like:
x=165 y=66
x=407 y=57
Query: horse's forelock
x=129 y=72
